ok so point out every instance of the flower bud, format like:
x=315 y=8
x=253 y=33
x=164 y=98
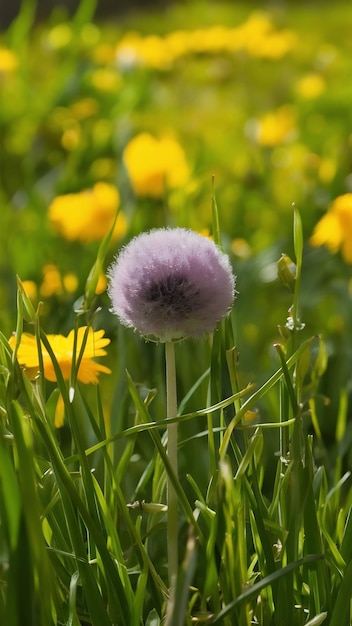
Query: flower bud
x=286 y=271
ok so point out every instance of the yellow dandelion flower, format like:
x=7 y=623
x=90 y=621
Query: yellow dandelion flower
x=52 y=281
x=213 y=40
x=310 y=86
x=103 y=168
x=177 y=43
x=274 y=46
x=70 y=282
x=260 y=39
x=82 y=109
x=241 y=248
x=276 y=127
x=103 y=53
x=127 y=51
x=31 y=289
x=54 y=284
x=71 y=136
x=87 y=215
x=155 y=165
x=8 y=61
x=335 y=228
x=60 y=36
x=154 y=53
x=106 y=80
x=327 y=169
x=88 y=371
x=151 y=51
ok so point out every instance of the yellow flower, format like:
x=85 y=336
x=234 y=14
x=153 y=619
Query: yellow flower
x=103 y=53
x=60 y=36
x=84 y=108
x=106 y=80
x=241 y=248
x=213 y=40
x=52 y=281
x=177 y=43
x=276 y=127
x=151 y=51
x=31 y=289
x=335 y=228
x=155 y=165
x=62 y=347
x=88 y=215
x=8 y=61
x=70 y=282
x=88 y=371
x=71 y=137
x=257 y=36
x=310 y=86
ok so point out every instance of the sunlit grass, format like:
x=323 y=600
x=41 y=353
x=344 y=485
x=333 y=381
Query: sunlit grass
x=256 y=106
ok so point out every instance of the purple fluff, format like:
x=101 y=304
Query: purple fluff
x=171 y=283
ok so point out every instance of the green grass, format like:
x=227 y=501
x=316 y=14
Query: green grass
x=264 y=405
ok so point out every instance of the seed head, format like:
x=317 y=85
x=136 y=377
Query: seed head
x=170 y=284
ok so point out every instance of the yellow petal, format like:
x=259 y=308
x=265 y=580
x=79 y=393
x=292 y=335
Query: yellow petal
x=328 y=232
x=59 y=413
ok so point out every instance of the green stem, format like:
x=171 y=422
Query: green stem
x=171 y=408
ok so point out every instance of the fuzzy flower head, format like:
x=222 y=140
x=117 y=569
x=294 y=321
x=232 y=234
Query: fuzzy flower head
x=170 y=284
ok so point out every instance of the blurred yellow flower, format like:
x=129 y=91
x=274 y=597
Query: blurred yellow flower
x=87 y=215
x=31 y=289
x=260 y=38
x=327 y=169
x=52 y=282
x=71 y=136
x=102 y=284
x=241 y=248
x=177 y=43
x=155 y=165
x=213 y=40
x=135 y=50
x=310 y=86
x=63 y=347
x=60 y=36
x=84 y=108
x=106 y=80
x=335 y=228
x=275 y=127
x=103 y=168
x=103 y=53
x=257 y=36
x=70 y=282
x=8 y=61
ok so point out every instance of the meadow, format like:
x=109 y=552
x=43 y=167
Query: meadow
x=197 y=480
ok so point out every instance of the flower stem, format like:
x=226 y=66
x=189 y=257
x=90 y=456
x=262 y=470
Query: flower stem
x=171 y=407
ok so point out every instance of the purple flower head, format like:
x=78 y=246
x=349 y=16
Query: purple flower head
x=171 y=284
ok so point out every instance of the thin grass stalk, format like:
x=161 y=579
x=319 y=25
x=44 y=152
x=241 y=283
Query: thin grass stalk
x=70 y=496
x=254 y=590
x=113 y=476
